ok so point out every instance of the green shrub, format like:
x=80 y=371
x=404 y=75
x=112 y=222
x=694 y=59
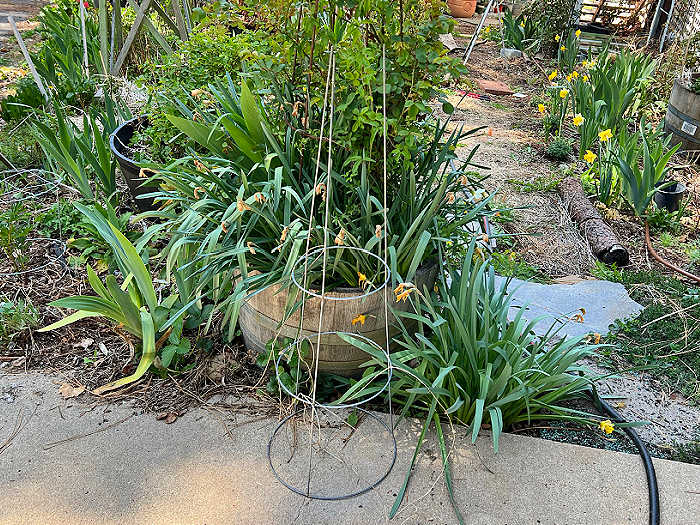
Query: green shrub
x=15 y=317
x=19 y=145
x=559 y=148
x=26 y=98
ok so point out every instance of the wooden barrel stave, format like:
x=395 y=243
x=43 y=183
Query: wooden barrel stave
x=260 y=317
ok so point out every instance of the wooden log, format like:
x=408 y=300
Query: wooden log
x=603 y=241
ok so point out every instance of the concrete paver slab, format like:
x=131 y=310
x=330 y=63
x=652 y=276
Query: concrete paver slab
x=192 y=472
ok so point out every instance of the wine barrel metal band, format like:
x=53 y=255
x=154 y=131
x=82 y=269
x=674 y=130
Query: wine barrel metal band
x=677 y=112
x=681 y=133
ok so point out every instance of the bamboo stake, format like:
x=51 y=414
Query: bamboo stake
x=82 y=27
x=28 y=58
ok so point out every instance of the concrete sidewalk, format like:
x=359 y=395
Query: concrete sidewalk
x=142 y=471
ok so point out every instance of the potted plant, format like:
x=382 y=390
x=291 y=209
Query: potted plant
x=135 y=176
x=683 y=113
x=248 y=207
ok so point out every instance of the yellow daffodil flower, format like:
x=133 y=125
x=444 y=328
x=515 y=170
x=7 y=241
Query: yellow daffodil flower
x=584 y=78
x=522 y=24
x=563 y=48
x=552 y=75
x=362 y=279
x=590 y=156
x=605 y=135
x=568 y=78
x=607 y=426
x=574 y=74
x=578 y=119
x=359 y=319
x=564 y=93
x=584 y=63
x=578 y=33
x=541 y=108
x=557 y=38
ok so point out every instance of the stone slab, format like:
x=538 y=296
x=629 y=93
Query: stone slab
x=142 y=471
x=604 y=302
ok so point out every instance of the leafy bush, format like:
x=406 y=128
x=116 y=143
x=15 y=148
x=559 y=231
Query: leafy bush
x=83 y=155
x=15 y=226
x=520 y=32
x=60 y=59
x=16 y=316
x=133 y=304
x=26 y=98
x=552 y=18
x=559 y=148
x=19 y=145
x=640 y=184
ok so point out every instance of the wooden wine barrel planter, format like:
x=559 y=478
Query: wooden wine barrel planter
x=261 y=314
x=462 y=8
x=683 y=118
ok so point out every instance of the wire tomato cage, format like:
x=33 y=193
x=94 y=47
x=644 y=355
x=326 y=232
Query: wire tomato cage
x=333 y=439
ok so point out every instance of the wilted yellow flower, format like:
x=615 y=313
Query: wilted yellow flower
x=463 y=180
x=196 y=93
x=197 y=190
x=596 y=338
x=251 y=247
x=378 y=231
x=578 y=33
x=242 y=206
x=590 y=156
x=359 y=319
x=557 y=38
x=605 y=135
x=260 y=198
x=607 y=426
x=404 y=295
x=362 y=279
x=450 y=197
x=223 y=227
x=284 y=234
x=321 y=190
x=563 y=93
x=578 y=119
x=552 y=75
x=340 y=238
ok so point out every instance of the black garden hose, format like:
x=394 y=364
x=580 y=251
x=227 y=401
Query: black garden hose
x=654 y=509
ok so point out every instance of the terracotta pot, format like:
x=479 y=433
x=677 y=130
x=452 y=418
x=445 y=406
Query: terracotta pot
x=462 y=8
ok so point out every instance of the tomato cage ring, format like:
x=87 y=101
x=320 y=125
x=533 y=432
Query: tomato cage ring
x=330 y=406
x=312 y=256
x=14 y=190
x=384 y=428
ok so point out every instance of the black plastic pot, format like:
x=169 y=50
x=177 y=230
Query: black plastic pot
x=670 y=197
x=119 y=142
